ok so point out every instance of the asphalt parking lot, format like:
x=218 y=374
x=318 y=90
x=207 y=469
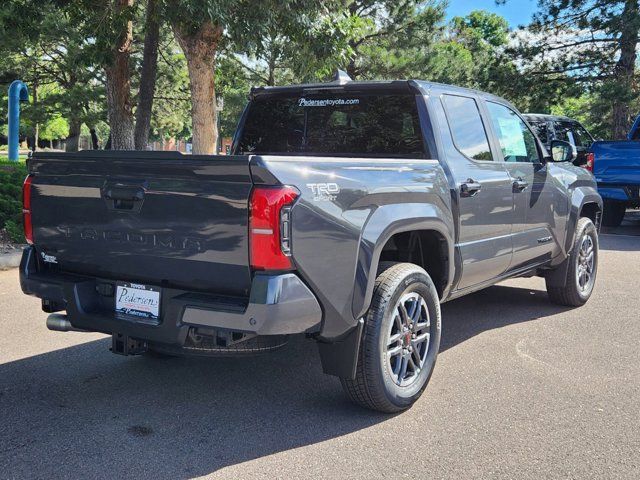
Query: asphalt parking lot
x=522 y=389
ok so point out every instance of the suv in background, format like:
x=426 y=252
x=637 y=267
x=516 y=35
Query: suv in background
x=553 y=127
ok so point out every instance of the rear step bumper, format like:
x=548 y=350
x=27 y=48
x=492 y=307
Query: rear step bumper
x=277 y=305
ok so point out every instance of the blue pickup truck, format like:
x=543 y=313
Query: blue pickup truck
x=616 y=166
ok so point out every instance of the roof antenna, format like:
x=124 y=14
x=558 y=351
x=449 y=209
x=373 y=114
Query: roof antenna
x=341 y=77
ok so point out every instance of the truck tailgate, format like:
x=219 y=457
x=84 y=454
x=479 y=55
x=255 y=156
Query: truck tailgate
x=617 y=163
x=150 y=217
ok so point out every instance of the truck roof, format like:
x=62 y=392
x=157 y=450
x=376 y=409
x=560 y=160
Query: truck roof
x=343 y=82
x=548 y=117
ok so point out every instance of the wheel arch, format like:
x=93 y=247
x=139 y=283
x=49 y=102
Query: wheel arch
x=392 y=226
x=585 y=201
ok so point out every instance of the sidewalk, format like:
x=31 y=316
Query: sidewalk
x=10 y=256
x=10 y=252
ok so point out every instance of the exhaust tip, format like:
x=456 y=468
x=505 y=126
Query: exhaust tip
x=58 y=322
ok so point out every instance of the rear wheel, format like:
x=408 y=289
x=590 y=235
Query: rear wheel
x=582 y=268
x=613 y=213
x=400 y=341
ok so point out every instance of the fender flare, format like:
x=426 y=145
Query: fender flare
x=581 y=196
x=389 y=220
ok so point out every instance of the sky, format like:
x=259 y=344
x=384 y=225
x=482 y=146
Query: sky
x=517 y=12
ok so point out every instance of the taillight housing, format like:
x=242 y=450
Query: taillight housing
x=270 y=227
x=591 y=160
x=26 y=209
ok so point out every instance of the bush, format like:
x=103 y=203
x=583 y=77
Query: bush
x=15 y=231
x=11 y=179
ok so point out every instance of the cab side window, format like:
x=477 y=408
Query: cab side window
x=467 y=128
x=541 y=129
x=516 y=140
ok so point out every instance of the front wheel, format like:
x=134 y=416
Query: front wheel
x=400 y=340
x=582 y=268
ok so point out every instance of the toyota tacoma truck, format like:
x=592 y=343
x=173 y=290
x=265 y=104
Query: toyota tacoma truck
x=616 y=166
x=347 y=212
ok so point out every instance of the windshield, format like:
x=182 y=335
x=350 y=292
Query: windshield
x=354 y=124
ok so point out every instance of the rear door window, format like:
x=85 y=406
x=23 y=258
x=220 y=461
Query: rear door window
x=467 y=128
x=350 y=124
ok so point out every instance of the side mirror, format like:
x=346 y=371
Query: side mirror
x=562 y=151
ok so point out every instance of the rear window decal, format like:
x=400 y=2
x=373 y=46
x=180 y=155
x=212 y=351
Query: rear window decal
x=327 y=102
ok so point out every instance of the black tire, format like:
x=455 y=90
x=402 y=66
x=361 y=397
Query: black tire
x=572 y=294
x=376 y=385
x=613 y=213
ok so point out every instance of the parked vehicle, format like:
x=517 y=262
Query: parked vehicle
x=616 y=166
x=554 y=127
x=348 y=212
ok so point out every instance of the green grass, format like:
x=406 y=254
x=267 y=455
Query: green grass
x=5 y=159
x=11 y=177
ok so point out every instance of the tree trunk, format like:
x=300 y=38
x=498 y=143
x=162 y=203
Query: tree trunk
x=625 y=71
x=147 y=76
x=200 y=48
x=36 y=129
x=118 y=76
x=95 y=143
x=71 y=144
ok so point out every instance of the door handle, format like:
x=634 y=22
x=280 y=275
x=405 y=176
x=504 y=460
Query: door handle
x=126 y=194
x=470 y=188
x=520 y=185
x=128 y=198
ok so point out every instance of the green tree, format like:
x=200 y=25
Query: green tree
x=371 y=39
x=48 y=49
x=171 y=108
x=592 y=42
x=204 y=27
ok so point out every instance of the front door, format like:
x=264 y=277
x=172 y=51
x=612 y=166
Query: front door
x=538 y=202
x=484 y=194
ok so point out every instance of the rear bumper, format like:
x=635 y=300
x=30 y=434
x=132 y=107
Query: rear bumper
x=278 y=305
x=629 y=194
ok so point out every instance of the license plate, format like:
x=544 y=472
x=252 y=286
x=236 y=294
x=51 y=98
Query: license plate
x=138 y=300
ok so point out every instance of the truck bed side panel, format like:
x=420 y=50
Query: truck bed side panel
x=339 y=198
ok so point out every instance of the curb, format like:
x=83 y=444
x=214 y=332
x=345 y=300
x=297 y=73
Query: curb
x=10 y=260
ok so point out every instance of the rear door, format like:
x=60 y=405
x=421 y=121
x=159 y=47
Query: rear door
x=158 y=218
x=485 y=197
x=540 y=204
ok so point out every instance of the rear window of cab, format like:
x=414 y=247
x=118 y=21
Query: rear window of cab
x=350 y=124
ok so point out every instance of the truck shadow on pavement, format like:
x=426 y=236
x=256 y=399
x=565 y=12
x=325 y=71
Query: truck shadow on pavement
x=492 y=308
x=82 y=412
x=630 y=227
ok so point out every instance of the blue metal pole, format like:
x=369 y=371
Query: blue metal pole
x=18 y=92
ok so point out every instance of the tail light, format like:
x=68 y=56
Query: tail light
x=26 y=210
x=270 y=227
x=591 y=160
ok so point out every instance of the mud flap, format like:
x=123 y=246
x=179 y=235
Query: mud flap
x=341 y=358
x=558 y=276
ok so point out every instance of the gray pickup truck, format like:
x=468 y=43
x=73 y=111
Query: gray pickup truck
x=347 y=212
